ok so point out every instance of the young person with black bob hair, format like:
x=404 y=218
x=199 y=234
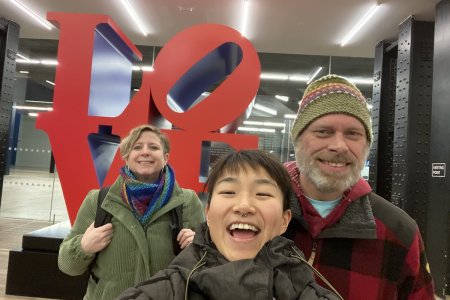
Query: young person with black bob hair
x=239 y=253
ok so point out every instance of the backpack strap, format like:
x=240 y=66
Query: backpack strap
x=102 y=217
x=177 y=224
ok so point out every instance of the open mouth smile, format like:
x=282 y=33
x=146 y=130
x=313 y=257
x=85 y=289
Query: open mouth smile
x=243 y=230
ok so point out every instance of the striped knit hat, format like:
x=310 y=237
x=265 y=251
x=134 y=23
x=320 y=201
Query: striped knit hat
x=331 y=94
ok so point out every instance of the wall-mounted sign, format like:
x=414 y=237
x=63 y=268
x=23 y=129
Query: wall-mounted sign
x=438 y=169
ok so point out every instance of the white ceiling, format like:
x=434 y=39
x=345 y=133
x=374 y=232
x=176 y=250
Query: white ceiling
x=275 y=26
x=291 y=36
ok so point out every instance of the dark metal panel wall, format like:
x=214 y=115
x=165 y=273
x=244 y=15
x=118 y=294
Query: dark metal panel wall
x=383 y=108
x=9 y=40
x=410 y=180
x=437 y=238
x=376 y=95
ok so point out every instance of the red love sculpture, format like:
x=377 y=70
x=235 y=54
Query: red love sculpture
x=94 y=56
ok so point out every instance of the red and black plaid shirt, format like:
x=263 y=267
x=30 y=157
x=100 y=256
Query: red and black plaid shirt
x=367 y=248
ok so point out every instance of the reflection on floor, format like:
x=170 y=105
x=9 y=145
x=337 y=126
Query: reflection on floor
x=33 y=194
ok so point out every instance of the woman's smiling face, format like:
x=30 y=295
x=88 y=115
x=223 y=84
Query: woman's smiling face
x=246 y=211
x=147 y=157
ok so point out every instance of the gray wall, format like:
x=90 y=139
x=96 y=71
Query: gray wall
x=33 y=148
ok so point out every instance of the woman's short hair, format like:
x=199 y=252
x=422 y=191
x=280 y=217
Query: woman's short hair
x=128 y=142
x=234 y=162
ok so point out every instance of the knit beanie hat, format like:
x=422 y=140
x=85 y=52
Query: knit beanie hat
x=331 y=94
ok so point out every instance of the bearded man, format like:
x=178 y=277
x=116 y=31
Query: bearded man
x=365 y=246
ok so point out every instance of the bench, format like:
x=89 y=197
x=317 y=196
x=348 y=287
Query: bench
x=33 y=269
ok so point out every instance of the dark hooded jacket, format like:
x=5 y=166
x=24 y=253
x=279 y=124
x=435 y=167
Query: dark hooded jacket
x=200 y=272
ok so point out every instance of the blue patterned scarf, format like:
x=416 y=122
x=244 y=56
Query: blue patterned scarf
x=145 y=199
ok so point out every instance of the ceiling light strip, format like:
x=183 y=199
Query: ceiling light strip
x=359 y=25
x=265 y=109
x=47 y=62
x=269 y=130
x=273 y=124
x=22 y=56
x=27 y=61
x=244 y=19
x=303 y=78
x=265 y=124
x=274 y=76
x=314 y=75
x=37 y=101
x=361 y=81
x=282 y=98
x=297 y=77
x=290 y=116
x=147 y=68
x=21 y=107
x=32 y=14
x=268 y=76
x=258 y=123
x=134 y=16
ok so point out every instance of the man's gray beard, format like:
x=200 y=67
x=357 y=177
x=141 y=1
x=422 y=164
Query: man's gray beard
x=327 y=183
